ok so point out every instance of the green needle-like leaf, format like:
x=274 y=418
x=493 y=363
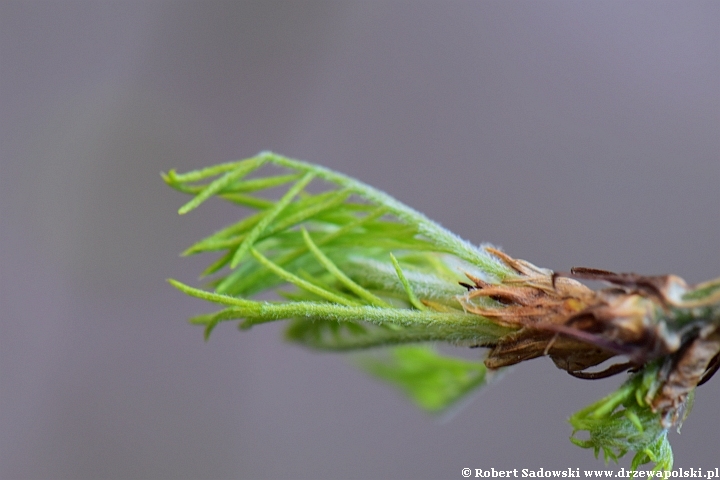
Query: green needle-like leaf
x=299 y=282
x=406 y=285
x=269 y=217
x=340 y=276
x=217 y=185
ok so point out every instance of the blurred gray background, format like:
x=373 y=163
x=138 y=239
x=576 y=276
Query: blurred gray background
x=569 y=133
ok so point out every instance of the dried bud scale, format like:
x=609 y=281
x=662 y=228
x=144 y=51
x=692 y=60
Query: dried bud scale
x=579 y=328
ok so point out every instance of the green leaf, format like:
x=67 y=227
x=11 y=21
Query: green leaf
x=406 y=285
x=270 y=215
x=242 y=169
x=431 y=381
x=623 y=422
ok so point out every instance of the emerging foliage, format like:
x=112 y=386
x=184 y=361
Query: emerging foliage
x=365 y=271
x=623 y=421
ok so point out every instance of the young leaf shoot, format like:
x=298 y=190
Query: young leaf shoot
x=356 y=269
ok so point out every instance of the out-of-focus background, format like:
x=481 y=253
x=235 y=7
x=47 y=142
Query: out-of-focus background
x=569 y=133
